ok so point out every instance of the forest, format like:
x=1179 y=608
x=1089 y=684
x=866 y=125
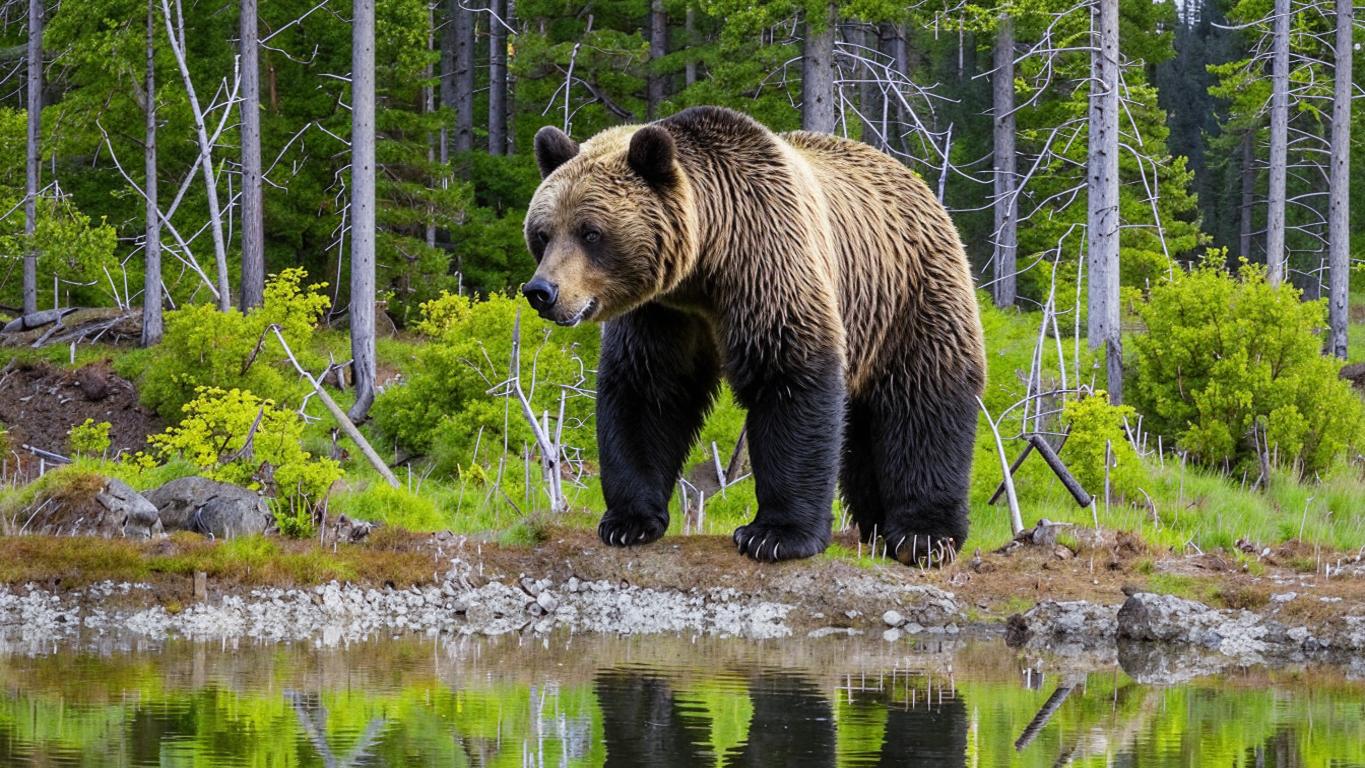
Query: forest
x=279 y=245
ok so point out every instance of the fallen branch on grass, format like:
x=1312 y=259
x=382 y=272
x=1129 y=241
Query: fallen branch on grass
x=346 y=424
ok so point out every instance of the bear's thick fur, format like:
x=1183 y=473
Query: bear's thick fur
x=819 y=276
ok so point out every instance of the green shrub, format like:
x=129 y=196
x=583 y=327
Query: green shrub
x=1224 y=354
x=214 y=435
x=1096 y=435
x=205 y=347
x=453 y=397
x=89 y=438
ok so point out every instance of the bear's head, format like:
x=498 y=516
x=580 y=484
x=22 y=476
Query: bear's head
x=611 y=226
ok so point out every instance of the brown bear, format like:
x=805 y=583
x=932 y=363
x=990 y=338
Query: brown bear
x=818 y=275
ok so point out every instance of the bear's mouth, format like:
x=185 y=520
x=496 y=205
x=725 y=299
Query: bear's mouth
x=581 y=315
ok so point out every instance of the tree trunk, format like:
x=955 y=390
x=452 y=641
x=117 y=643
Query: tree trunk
x=658 y=48
x=151 y=285
x=819 y=107
x=1279 y=143
x=446 y=91
x=690 y=28
x=429 y=107
x=253 y=228
x=35 y=158
x=1103 y=192
x=464 y=76
x=497 y=78
x=871 y=97
x=1339 y=211
x=1006 y=202
x=1248 y=190
x=362 y=206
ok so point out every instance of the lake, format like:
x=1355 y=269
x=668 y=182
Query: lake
x=654 y=701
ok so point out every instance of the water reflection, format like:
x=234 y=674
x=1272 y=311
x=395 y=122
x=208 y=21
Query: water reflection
x=665 y=702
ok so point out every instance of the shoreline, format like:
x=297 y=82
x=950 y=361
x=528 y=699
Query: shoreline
x=612 y=593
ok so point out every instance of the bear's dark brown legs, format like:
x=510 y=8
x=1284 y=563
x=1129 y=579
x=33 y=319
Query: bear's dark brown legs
x=794 y=427
x=655 y=384
x=858 y=486
x=923 y=448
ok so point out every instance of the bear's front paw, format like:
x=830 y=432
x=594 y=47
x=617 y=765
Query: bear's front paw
x=630 y=530
x=922 y=549
x=770 y=543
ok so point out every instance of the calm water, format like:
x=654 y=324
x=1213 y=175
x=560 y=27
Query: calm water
x=654 y=702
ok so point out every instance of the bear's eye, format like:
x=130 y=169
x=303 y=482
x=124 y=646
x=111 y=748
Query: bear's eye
x=591 y=236
x=540 y=238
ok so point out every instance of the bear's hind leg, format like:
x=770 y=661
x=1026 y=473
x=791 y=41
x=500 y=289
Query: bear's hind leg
x=924 y=443
x=858 y=486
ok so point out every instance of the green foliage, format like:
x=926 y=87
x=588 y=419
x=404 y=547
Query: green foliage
x=451 y=401
x=205 y=347
x=1227 y=358
x=1097 y=436
x=89 y=438
x=236 y=437
x=401 y=507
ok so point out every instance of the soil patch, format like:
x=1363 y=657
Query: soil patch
x=40 y=403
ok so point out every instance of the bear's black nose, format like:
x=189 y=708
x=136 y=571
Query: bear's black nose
x=541 y=293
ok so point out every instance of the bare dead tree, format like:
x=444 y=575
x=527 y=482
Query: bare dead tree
x=362 y=207
x=658 y=48
x=497 y=79
x=1339 y=224
x=1006 y=202
x=1103 y=192
x=151 y=287
x=253 y=228
x=175 y=30
x=464 y=76
x=1279 y=132
x=35 y=158
x=1248 y=191
x=690 y=30
x=819 y=99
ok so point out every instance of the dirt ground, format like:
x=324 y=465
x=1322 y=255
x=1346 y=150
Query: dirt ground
x=39 y=403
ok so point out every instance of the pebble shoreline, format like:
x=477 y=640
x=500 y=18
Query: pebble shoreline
x=334 y=613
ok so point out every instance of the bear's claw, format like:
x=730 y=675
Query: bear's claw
x=771 y=543
x=923 y=550
x=621 y=531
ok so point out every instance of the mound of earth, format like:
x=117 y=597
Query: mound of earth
x=40 y=403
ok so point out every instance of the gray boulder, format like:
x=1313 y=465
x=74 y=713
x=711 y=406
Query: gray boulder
x=211 y=508
x=90 y=505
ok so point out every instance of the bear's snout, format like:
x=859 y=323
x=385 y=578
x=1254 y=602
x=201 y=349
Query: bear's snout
x=541 y=293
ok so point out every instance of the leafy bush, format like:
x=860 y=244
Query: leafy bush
x=1096 y=435
x=236 y=437
x=452 y=399
x=89 y=439
x=205 y=347
x=1224 y=354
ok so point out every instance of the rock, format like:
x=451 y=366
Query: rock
x=90 y=505
x=348 y=531
x=893 y=618
x=211 y=508
x=1074 y=621
x=1165 y=618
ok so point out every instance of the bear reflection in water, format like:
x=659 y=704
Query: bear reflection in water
x=792 y=724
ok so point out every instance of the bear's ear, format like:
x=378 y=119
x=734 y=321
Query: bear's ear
x=553 y=149
x=652 y=154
